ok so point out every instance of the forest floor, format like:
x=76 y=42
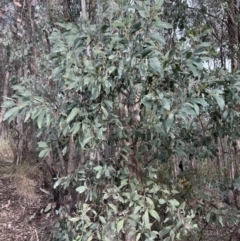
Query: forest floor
x=22 y=204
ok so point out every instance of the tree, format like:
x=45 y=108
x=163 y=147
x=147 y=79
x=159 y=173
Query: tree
x=90 y=111
x=122 y=99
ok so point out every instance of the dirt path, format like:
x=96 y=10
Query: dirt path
x=21 y=219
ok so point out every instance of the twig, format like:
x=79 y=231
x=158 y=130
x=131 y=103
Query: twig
x=44 y=191
x=201 y=235
x=36 y=234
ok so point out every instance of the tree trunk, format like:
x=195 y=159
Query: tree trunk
x=234 y=46
x=3 y=126
x=65 y=9
x=72 y=164
x=233 y=31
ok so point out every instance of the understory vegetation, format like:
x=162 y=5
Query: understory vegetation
x=128 y=112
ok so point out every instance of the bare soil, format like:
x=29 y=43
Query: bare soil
x=23 y=218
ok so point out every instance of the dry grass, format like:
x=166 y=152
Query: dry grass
x=6 y=157
x=6 y=150
x=26 y=188
x=26 y=179
x=25 y=175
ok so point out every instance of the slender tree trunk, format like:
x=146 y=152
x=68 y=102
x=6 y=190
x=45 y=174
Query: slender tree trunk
x=234 y=45
x=72 y=165
x=65 y=9
x=3 y=126
x=233 y=30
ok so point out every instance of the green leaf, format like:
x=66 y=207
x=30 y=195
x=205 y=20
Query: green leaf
x=156 y=65
x=146 y=51
x=167 y=124
x=154 y=214
x=11 y=112
x=65 y=129
x=120 y=225
x=225 y=114
x=35 y=113
x=111 y=69
x=73 y=113
x=28 y=115
x=196 y=108
x=166 y=104
x=118 y=24
x=56 y=73
x=108 y=103
x=105 y=112
x=145 y=218
x=81 y=189
x=113 y=207
x=40 y=119
x=162 y=201
x=162 y=25
x=165 y=191
x=102 y=219
x=8 y=104
x=99 y=174
x=220 y=101
x=200 y=101
x=158 y=4
x=135 y=27
x=95 y=91
x=150 y=201
x=220 y=220
x=75 y=129
x=158 y=37
x=85 y=141
x=75 y=219
x=98 y=168
x=188 y=110
x=208 y=217
x=193 y=69
x=44 y=153
x=173 y=202
x=42 y=144
x=48 y=119
x=197 y=62
x=166 y=230
x=137 y=209
x=182 y=206
x=188 y=55
x=143 y=13
x=57 y=183
x=174 y=191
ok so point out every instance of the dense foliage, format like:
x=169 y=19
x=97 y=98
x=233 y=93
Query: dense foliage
x=119 y=105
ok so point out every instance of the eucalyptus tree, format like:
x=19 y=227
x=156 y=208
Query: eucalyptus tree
x=119 y=102
x=115 y=89
x=222 y=17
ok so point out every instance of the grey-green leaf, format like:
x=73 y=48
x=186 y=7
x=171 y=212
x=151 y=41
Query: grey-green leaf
x=220 y=101
x=158 y=37
x=154 y=214
x=81 y=189
x=162 y=25
x=73 y=113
